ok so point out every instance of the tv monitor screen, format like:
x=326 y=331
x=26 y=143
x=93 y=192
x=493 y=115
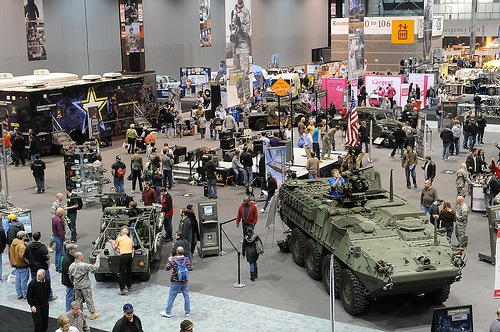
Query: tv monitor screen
x=25 y=218
x=208 y=209
x=452 y=319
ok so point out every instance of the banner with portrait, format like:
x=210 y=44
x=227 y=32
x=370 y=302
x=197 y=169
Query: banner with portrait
x=356 y=46
x=238 y=52
x=205 y=24
x=132 y=26
x=276 y=162
x=428 y=19
x=35 y=30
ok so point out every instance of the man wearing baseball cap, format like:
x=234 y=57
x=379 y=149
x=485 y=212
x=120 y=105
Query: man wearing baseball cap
x=128 y=319
x=118 y=171
x=187 y=326
x=17 y=260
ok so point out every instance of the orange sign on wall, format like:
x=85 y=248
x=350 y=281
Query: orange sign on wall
x=403 y=32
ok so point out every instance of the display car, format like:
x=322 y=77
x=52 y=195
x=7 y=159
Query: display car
x=144 y=229
x=384 y=124
x=166 y=82
x=268 y=116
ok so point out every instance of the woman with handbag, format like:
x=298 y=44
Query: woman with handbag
x=252 y=247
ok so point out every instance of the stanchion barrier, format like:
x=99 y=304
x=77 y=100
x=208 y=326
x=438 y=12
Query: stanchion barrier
x=221 y=253
x=238 y=284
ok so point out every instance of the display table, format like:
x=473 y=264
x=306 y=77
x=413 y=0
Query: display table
x=477 y=199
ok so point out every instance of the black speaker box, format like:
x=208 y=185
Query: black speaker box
x=229 y=154
x=224 y=135
x=258 y=146
x=227 y=144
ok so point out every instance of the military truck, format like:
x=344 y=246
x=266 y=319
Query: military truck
x=381 y=244
x=267 y=116
x=144 y=229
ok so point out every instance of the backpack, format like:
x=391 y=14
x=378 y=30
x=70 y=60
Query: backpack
x=182 y=270
x=79 y=200
x=495 y=185
x=147 y=175
x=120 y=173
x=136 y=165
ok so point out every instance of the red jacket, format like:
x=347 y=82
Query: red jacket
x=166 y=205
x=253 y=216
x=149 y=197
x=58 y=228
x=495 y=168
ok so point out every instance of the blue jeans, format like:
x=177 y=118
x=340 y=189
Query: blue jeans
x=72 y=226
x=70 y=297
x=449 y=232
x=33 y=158
x=59 y=250
x=312 y=176
x=268 y=199
x=456 y=141
x=249 y=171
x=316 y=150
x=47 y=276
x=237 y=171
x=429 y=102
x=174 y=289
x=472 y=142
x=439 y=118
x=398 y=146
x=253 y=266
x=22 y=277
x=413 y=175
x=167 y=179
x=425 y=209
x=169 y=132
x=167 y=223
x=158 y=195
x=446 y=150
x=119 y=185
x=477 y=109
x=1 y=262
x=466 y=139
x=212 y=188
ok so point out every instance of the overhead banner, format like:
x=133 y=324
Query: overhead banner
x=335 y=91
x=276 y=162
x=403 y=32
x=473 y=27
x=428 y=16
x=35 y=30
x=373 y=82
x=422 y=81
x=132 y=26
x=356 y=46
x=205 y=24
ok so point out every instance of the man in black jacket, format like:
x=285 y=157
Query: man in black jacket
x=472 y=162
x=128 y=319
x=272 y=186
x=37 y=256
x=68 y=259
x=18 y=145
x=14 y=227
x=429 y=169
x=246 y=160
x=447 y=137
x=3 y=244
x=211 y=175
x=38 y=169
x=472 y=130
x=399 y=140
x=38 y=299
x=194 y=227
x=34 y=146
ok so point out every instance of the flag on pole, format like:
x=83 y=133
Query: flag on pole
x=482 y=39
x=352 y=123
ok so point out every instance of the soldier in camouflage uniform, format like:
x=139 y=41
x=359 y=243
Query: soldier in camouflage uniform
x=463 y=181
x=79 y=275
x=76 y=318
x=461 y=223
x=53 y=211
x=329 y=142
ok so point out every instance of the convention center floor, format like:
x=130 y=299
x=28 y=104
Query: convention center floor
x=283 y=298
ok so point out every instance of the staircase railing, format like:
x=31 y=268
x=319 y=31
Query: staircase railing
x=194 y=161
x=55 y=124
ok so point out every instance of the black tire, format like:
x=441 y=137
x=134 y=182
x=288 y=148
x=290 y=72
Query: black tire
x=352 y=293
x=438 y=296
x=297 y=243
x=99 y=276
x=313 y=259
x=145 y=276
x=325 y=268
x=260 y=124
x=386 y=143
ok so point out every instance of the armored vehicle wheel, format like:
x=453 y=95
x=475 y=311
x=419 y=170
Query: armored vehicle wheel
x=386 y=143
x=297 y=242
x=313 y=259
x=145 y=276
x=438 y=296
x=352 y=293
x=260 y=124
x=325 y=268
x=99 y=276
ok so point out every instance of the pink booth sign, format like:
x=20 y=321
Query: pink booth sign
x=335 y=91
x=373 y=82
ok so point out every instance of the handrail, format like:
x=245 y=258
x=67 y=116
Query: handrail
x=196 y=162
x=54 y=127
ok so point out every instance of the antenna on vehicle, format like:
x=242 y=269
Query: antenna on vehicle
x=391 y=188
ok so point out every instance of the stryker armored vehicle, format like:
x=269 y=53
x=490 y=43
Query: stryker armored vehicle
x=381 y=245
x=144 y=229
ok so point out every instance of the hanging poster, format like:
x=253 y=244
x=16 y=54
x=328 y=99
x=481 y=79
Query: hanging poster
x=238 y=52
x=35 y=30
x=276 y=162
x=335 y=88
x=132 y=26
x=205 y=24
x=356 y=46
x=428 y=20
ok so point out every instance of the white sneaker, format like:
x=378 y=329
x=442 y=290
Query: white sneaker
x=187 y=315
x=132 y=192
x=164 y=314
x=262 y=210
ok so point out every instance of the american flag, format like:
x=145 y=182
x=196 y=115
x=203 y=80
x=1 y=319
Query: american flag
x=352 y=124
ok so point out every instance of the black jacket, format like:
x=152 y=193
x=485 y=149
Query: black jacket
x=194 y=226
x=186 y=229
x=246 y=159
x=38 y=255
x=399 y=136
x=363 y=133
x=181 y=243
x=447 y=136
x=471 y=164
x=34 y=147
x=38 y=293
x=410 y=140
x=481 y=122
x=3 y=241
x=249 y=248
x=271 y=186
x=122 y=323
x=18 y=144
x=210 y=170
x=38 y=167
x=472 y=129
x=66 y=262
x=431 y=170
x=14 y=227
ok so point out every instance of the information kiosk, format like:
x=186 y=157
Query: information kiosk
x=209 y=229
